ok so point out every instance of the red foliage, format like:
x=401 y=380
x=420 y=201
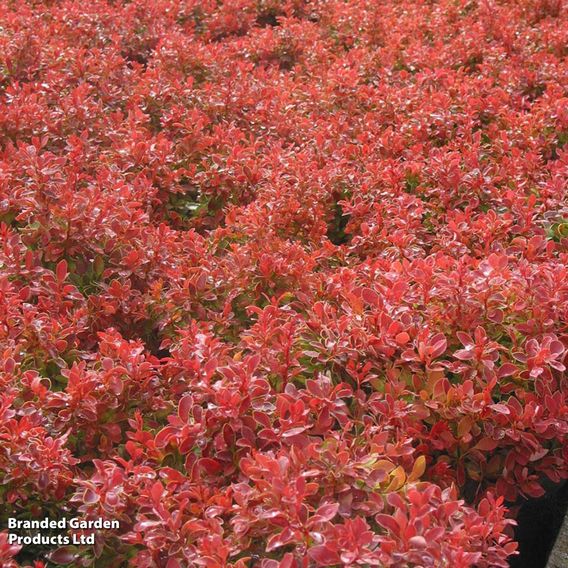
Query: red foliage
x=283 y=284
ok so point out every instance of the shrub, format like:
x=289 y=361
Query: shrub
x=282 y=284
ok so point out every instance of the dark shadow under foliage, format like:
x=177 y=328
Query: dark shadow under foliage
x=539 y=522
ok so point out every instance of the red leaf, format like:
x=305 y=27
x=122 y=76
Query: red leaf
x=418 y=542
x=370 y=296
x=157 y=491
x=164 y=436
x=438 y=345
x=63 y=555
x=500 y=408
x=323 y=555
x=325 y=513
x=285 y=537
x=402 y=338
x=185 y=405
x=61 y=270
x=388 y=522
x=507 y=370
x=486 y=445
x=210 y=466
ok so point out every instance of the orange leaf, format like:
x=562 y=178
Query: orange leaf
x=397 y=480
x=418 y=469
x=464 y=426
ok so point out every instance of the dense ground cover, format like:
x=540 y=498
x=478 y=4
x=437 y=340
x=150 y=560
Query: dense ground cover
x=282 y=284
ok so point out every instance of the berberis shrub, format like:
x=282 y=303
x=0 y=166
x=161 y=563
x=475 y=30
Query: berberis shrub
x=283 y=284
